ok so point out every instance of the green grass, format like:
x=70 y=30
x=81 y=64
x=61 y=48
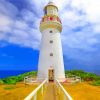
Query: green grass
x=85 y=76
x=9 y=87
x=1 y=82
x=15 y=79
x=96 y=83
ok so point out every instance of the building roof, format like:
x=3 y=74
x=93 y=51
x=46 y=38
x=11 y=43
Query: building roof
x=51 y=4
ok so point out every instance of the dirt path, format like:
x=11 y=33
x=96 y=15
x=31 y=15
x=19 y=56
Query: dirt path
x=50 y=93
x=83 y=91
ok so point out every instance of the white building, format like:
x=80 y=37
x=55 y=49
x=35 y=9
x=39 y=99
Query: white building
x=51 y=49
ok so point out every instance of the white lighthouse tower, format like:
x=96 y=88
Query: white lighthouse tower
x=51 y=56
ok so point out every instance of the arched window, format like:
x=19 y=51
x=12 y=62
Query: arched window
x=45 y=11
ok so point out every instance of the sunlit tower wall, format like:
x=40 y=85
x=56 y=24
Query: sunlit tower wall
x=51 y=48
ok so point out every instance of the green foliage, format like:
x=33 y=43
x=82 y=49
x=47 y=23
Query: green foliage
x=97 y=78
x=85 y=76
x=89 y=77
x=9 y=87
x=1 y=82
x=10 y=80
x=96 y=83
x=15 y=79
x=75 y=72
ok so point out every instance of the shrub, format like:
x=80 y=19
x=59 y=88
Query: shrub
x=15 y=79
x=84 y=75
x=1 y=82
x=96 y=83
x=10 y=80
x=89 y=77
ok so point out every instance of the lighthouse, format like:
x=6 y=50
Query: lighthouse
x=51 y=63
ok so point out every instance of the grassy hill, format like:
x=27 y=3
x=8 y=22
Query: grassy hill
x=15 y=79
x=85 y=76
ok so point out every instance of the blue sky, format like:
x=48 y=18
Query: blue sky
x=20 y=36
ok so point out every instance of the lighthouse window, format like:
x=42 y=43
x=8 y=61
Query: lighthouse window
x=51 y=54
x=51 y=41
x=45 y=11
x=51 y=31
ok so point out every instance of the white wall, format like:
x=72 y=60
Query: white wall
x=45 y=60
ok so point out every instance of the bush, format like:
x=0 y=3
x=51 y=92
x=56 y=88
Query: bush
x=15 y=79
x=1 y=82
x=84 y=75
x=96 y=83
x=89 y=77
x=97 y=78
x=10 y=80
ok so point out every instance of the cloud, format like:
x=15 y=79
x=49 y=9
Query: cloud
x=81 y=24
x=18 y=27
x=80 y=20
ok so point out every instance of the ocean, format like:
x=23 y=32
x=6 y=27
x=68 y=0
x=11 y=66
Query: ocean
x=7 y=73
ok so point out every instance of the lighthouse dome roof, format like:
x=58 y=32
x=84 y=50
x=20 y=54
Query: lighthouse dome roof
x=51 y=4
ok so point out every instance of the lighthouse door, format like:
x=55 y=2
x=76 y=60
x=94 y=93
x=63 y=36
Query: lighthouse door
x=51 y=75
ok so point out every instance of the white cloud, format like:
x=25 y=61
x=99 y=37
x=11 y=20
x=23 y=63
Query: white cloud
x=81 y=25
x=18 y=30
x=28 y=15
x=19 y=24
x=80 y=18
x=8 y=9
x=97 y=28
x=61 y=3
x=4 y=21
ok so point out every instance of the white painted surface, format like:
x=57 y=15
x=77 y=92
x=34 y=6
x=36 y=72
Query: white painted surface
x=33 y=94
x=45 y=60
x=65 y=93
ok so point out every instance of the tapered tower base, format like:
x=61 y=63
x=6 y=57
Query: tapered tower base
x=51 y=54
